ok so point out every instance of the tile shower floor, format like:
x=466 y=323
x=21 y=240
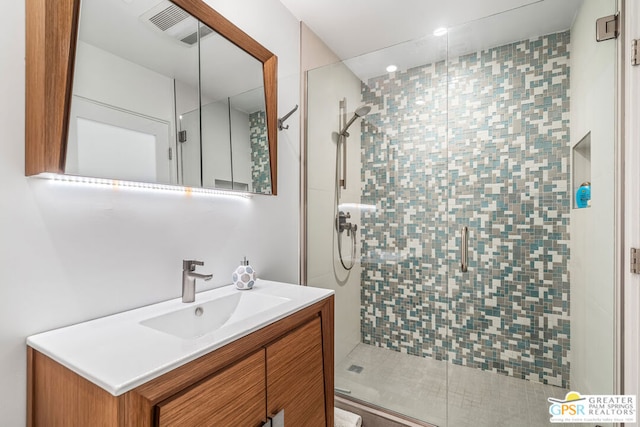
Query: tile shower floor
x=417 y=387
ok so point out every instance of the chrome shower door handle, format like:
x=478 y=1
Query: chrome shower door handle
x=464 y=249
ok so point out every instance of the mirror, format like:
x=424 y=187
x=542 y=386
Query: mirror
x=164 y=92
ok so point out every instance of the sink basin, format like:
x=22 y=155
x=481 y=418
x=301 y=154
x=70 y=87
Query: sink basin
x=209 y=316
x=125 y=350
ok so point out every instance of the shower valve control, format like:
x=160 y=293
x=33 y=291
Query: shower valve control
x=342 y=224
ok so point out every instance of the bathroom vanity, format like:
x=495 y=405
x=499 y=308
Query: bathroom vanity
x=231 y=358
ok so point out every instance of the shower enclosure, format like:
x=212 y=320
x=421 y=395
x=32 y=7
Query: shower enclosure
x=477 y=288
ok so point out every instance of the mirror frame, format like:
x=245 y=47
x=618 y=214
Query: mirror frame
x=51 y=36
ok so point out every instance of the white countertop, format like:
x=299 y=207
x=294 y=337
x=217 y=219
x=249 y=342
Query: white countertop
x=118 y=353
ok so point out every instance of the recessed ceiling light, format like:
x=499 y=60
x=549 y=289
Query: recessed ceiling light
x=420 y=102
x=440 y=31
x=391 y=68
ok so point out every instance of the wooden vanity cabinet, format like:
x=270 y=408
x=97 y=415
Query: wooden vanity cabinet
x=287 y=365
x=236 y=396
x=295 y=377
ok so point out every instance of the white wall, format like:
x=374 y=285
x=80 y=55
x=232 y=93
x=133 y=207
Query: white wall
x=326 y=87
x=592 y=229
x=71 y=253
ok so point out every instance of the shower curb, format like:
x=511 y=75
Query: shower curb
x=374 y=416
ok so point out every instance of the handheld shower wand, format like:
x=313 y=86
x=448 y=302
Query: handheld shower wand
x=360 y=112
x=341 y=220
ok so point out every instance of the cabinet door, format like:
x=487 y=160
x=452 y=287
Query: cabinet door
x=234 y=397
x=295 y=377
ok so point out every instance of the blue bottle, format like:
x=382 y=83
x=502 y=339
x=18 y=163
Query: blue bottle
x=583 y=195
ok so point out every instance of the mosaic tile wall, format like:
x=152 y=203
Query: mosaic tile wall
x=503 y=171
x=260 y=168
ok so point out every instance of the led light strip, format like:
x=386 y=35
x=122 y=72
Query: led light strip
x=115 y=184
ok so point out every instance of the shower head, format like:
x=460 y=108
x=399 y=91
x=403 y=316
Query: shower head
x=360 y=112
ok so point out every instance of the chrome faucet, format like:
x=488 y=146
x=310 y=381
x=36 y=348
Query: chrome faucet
x=189 y=277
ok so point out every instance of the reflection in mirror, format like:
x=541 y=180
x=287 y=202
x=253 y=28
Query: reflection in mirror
x=216 y=146
x=155 y=100
x=228 y=112
x=252 y=166
x=129 y=79
x=108 y=142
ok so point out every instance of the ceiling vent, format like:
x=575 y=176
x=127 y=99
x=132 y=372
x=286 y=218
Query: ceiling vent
x=174 y=22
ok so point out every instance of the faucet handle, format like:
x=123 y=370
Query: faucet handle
x=190 y=264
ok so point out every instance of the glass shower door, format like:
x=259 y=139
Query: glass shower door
x=517 y=110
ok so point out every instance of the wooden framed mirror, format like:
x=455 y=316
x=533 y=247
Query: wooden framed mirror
x=54 y=49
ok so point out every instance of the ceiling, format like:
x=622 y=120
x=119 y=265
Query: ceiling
x=356 y=30
x=356 y=27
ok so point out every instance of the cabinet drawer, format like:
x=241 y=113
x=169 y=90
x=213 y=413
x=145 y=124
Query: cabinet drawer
x=232 y=397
